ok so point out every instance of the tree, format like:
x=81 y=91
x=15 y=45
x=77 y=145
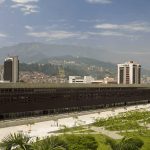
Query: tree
x=125 y=144
x=16 y=141
x=50 y=143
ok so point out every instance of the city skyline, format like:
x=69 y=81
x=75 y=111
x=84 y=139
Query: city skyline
x=121 y=27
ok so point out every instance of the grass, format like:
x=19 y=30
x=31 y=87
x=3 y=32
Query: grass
x=73 y=129
x=124 y=121
x=129 y=122
x=101 y=140
x=128 y=125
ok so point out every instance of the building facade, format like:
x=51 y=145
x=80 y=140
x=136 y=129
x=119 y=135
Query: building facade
x=1 y=72
x=129 y=73
x=32 y=101
x=79 y=79
x=108 y=80
x=11 y=69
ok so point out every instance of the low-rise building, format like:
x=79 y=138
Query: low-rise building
x=79 y=79
x=109 y=80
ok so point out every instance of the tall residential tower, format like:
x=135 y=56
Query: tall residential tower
x=11 y=69
x=129 y=73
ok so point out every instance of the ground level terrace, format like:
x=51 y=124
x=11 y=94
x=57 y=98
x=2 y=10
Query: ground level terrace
x=36 y=128
x=21 y=100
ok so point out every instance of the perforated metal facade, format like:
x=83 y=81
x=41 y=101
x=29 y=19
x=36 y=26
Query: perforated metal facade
x=34 y=101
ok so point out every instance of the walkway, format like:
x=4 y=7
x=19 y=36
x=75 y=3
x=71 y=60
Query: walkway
x=111 y=134
x=42 y=129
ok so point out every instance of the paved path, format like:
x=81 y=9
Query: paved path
x=111 y=134
x=42 y=129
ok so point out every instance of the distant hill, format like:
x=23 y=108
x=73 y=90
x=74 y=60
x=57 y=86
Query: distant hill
x=44 y=53
x=111 y=68
x=71 y=60
x=34 y=52
x=72 y=66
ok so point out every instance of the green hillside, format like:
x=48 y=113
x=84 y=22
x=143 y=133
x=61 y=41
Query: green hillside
x=80 y=66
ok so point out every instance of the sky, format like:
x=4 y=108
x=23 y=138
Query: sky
x=121 y=26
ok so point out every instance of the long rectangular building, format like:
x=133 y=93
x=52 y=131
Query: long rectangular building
x=21 y=101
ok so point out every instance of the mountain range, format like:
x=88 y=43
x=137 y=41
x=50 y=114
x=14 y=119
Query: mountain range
x=79 y=66
x=44 y=53
x=69 y=65
x=33 y=52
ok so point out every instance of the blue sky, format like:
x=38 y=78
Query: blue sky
x=121 y=26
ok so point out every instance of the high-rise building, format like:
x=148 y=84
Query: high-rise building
x=1 y=72
x=129 y=73
x=11 y=69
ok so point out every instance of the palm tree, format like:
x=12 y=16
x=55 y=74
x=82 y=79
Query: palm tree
x=16 y=141
x=22 y=142
x=50 y=143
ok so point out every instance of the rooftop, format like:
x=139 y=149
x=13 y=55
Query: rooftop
x=130 y=62
x=66 y=85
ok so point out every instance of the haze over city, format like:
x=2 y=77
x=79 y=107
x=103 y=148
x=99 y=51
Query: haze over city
x=119 y=27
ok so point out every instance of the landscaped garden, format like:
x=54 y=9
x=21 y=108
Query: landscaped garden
x=134 y=124
x=126 y=121
x=133 y=127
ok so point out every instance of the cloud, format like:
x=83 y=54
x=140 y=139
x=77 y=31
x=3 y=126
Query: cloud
x=30 y=28
x=3 y=35
x=2 y=1
x=56 y=33
x=53 y=35
x=134 y=27
x=29 y=9
x=134 y=52
x=109 y=33
x=62 y=35
x=99 y=1
x=90 y=20
x=24 y=1
x=26 y=6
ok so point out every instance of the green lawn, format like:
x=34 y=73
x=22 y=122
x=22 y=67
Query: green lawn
x=101 y=139
x=125 y=121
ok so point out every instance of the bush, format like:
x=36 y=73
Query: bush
x=125 y=144
x=81 y=142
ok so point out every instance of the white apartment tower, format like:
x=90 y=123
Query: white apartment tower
x=129 y=73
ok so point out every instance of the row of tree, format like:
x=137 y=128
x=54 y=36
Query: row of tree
x=66 y=142
x=69 y=142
